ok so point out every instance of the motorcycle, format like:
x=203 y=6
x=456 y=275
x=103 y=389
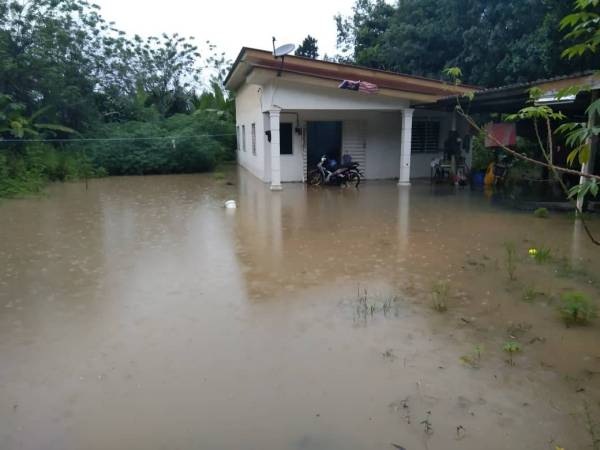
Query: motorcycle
x=327 y=173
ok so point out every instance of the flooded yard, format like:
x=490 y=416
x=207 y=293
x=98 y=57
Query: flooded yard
x=141 y=314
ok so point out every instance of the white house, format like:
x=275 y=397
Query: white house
x=290 y=113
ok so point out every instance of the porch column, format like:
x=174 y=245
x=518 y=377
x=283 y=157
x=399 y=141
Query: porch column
x=275 y=150
x=405 y=147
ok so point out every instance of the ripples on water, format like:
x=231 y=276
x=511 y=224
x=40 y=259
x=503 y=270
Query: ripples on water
x=142 y=314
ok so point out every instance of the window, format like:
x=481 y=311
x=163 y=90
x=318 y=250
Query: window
x=244 y=137
x=237 y=136
x=254 y=139
x=285 y=137
x=425 y=136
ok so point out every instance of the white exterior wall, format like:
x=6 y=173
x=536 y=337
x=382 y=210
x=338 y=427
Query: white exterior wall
x=248 y=111
x=291 y=165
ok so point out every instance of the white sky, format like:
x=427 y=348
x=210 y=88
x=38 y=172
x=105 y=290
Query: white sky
x=231 y=24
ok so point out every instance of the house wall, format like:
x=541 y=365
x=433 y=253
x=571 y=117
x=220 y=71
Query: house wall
x=248 y=111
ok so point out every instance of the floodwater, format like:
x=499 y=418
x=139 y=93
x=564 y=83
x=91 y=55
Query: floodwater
x=141 y=314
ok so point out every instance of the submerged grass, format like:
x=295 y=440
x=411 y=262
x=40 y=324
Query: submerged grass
x=510 y=262
x=368 y=306
x=439 y=295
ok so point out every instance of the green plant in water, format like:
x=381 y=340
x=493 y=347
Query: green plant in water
x=511 y=347
x=219 y=176
x=576 y=308
x=439 y=294
x=510 y=262
x=541 y=213
x=531 y=294
x=474 y=358
x=540 y=255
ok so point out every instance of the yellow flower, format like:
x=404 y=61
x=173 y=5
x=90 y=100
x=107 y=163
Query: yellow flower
x=559 y=448
x=532 y=251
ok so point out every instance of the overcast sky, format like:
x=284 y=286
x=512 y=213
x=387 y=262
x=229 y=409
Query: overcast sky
x=231 y=24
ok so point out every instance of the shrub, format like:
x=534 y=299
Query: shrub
x=541 y=213
x=577 y=308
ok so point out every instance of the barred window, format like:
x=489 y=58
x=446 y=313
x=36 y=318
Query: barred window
x=244 y=137
x=237 y=136
x=254 y=139
x=425 y=136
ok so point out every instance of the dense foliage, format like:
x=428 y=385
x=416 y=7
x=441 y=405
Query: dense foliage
x=66 y=75
x=494 y=43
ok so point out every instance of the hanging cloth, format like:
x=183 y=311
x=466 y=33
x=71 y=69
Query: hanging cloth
x=360 y=86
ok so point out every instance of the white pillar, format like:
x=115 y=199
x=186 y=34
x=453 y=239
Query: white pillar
x=405 y=147
x=275 y=150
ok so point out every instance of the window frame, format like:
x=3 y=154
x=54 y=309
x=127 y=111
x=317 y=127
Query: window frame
x=253 y=138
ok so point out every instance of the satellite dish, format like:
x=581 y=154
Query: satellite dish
x=283 y=50
x=280 y=52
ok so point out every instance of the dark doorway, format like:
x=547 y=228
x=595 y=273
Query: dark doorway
x=324 y=138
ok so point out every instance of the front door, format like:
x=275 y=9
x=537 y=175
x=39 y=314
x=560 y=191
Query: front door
x=324 y=138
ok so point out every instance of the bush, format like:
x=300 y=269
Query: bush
x=541 y=213
x=180 y=144
x=25 y=169
x=482 y=156
x=577 y=308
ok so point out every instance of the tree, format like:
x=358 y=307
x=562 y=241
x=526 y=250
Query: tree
x=584 y=25
x=308 y=48
x=493 y=42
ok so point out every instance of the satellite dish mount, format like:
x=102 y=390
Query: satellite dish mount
x=280 y=52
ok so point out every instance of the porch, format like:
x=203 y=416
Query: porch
x=396 y=144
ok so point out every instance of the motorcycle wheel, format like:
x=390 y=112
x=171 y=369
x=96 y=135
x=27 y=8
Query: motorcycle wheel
x=315 y=178
x=353 y=178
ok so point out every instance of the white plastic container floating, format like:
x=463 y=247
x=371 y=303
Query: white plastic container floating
x=230 y=204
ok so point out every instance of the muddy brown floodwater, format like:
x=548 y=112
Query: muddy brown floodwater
x=141 y=314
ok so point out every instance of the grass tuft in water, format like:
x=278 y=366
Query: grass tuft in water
x=591 y=426
x=576 y=308
x=474 y=358
x=510 y=262
x=541 y=213
x=540 y=255
x=511 y=347
x=531 y=294
x=439 y=295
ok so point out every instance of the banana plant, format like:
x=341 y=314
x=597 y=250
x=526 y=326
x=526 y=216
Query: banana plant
x=16 y=124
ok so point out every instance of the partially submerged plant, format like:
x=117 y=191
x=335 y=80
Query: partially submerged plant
x=591 y=426
x=428 y=428
x=577 y=309
x=474 y=358
x=439 y=296
x=540 y=255
x=531 y=294
x=511 y=347
x=510 y=261
x=541 y=213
